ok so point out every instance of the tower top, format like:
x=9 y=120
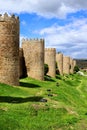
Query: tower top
x=6 y=17
x=31 y=40
x=50 y=49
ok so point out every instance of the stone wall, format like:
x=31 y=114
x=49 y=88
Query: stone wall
x=66 y=65
x=33 y=50
x=71 y=66
x=50 y=59
x=59 y=60
x=9 y=49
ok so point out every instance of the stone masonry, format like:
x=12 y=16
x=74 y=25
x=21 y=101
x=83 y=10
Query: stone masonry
x=33 y=50
x=71 y=66
x=66 y=65
x=50 y=59
x=9 y=49
x=59 y=60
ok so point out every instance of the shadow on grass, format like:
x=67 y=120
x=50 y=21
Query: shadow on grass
x=70 y=83
x=9 y=99
x=58 y=77
x=48 y=78
x=29 y=85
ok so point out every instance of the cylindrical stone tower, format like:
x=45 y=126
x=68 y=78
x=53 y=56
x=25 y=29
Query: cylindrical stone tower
x=50 y=59
x=71 y=66
x=59 y=60
x=66 y=65
x=33 y=50
x=9 y=49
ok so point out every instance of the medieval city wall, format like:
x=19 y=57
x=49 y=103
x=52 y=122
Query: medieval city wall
x=29 y=60
x=33 y=50
x=50 y=59
x=9 y=49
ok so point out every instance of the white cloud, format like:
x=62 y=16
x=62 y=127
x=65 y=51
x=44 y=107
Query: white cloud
x=23 y=23
x=71 y=39
x=51 y=8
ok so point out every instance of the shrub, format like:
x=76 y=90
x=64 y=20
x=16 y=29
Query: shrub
x=76 y=68
x=46 y=69
x=57 y=72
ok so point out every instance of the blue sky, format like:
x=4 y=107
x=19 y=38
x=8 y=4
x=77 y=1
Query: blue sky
x=63 y=24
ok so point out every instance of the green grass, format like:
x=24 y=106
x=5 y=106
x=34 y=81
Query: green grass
x=65 y=109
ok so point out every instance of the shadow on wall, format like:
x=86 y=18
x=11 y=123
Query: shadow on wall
x=23 y=68
x=29 y=85
x=10 y=99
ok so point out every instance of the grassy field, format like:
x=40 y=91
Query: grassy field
x=54 y=104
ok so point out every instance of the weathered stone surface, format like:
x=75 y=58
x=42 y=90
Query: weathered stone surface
x=66 y=65
x=9 y=50
x=50 y=59
x=71 y=66
x=59 y=60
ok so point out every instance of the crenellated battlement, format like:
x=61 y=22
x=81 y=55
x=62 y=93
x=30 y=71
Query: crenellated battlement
x=66 y=56
x=24 y=40
x=7 y=17
x=50 y=49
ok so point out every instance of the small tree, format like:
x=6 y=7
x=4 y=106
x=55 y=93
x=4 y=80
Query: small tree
x=76 y=68
x=46 y=69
